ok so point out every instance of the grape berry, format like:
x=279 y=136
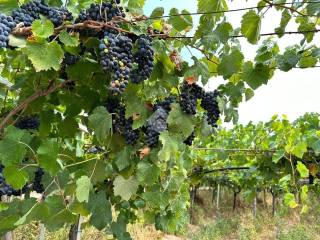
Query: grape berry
x=31 y=11
x=116 y=58
x=28 y=123
x=210 y=104
x=6 y=26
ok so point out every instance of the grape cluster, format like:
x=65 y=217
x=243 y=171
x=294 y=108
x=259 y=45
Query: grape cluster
x=70 y=59
x=102 y=12
x=37 y=182
x=116 y=58
x=6 y=189
x=143 y=59
x=120 y=124
x=188 y=98
x=94 y=150
x=31 y=11
x=28 y=123
x=6 y=26
x=156 y=124
x=210 y=104
x=190 y=139
x=165 y=104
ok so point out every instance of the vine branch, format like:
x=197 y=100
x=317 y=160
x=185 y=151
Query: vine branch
x=40 y=93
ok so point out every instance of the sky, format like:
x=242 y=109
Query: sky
x=291 y=93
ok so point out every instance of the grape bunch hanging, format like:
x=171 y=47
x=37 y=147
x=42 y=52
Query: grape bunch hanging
x=191 y=93
x=120 y=124
x=119 y=59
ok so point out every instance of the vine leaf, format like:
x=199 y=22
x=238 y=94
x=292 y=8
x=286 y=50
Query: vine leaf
x=7 y=6
x=170 y=147
x=48 y=156
x=157 y=12
x=299 y=149
x=179 y=122
x=101 y=122
x=123 y=159
x=302 y=169
x=289 y=200
x=42 y=29
x=251 y=26
x=83 y=189
x=316 y=146
x=278 y=155
x=180 y=23
x=147 y=173
x=125 y=188
x=286 y=16
x=15 y=177
x=100 y=209
x=313 y=8
x=256 y=75
x=68 y=40
x=45 y=56
x=230 y=63
x=136 y=6
x=11 y=150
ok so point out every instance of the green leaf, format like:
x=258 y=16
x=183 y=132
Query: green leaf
x=209 y=21
x=147 y=173
x=125 y=188
x=256 y=75
x=230 y=64
x=289 y=200
x=157 y=12
x=313 y=8
x=123 y=158
x=180 y=23
x=100 y=209
x=288 y=60
x=101 y=122
x=299 y=150
x=180 y=122
x=15 y=177
x=286 y=16
x=136 y=6
x=316 y=146
x=3 y=206
x=83 y=70
x=302 y=169
x=307 y=60
x=16 y=41
x=135 y=107
x=13 y=146
x=48 y=156
x=278 y=155
x=249 y=94
x=83 y=189
x=251 y=26
x=68 y=40
x=68 y=127
x=45 y=56
x=7 y=6
x=170 y=147
x=42 y=29
x=304 y=193
x=38 y=211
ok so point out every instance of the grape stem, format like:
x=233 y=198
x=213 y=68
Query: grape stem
x=27 y=31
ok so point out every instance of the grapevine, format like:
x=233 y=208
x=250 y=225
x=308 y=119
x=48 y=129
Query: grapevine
x=103 y=113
